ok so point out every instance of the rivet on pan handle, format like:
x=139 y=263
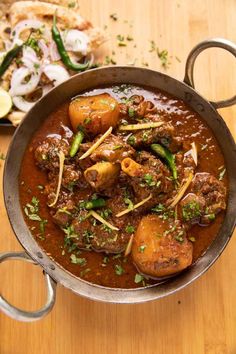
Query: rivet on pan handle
x=189 y=67
x=22 y=315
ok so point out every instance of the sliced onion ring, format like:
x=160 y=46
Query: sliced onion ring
x=54 y=54
x=28 y=24
x=30 y=59
x=76 y=41
x=44 y=48
x=56 y=73
x=22 y=104
x=18 y=87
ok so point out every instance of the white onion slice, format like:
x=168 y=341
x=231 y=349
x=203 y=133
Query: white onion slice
x=18 y=87
x=55 y=56
x=30 y=59
x=76 y=41
x=56 y=73
x=22 y=104
x=28 y=24
x=44 y=48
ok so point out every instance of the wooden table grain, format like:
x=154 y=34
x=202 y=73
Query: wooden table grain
x=202 y=317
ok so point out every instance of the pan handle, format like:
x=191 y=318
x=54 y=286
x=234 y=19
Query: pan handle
x=22 y=315
x=189 y=67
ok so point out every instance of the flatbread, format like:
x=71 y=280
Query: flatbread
x=12 y=12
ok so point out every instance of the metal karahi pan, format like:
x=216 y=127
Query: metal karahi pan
x=53 y=272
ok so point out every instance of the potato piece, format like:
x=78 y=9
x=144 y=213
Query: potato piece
x=102 y=175
x=160 y=249
x=94 y=113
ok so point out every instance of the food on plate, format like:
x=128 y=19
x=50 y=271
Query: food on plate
x=124 y=186
x=94 y=114
x=42 y=45
x=5 y=103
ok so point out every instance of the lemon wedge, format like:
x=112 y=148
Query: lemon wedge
x=5 y=103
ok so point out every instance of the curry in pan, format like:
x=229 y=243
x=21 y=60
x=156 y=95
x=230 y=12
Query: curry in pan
x=124 y=186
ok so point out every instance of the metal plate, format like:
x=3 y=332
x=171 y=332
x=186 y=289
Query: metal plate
x=74 y=86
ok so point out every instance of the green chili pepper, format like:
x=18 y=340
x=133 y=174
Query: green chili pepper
x=62 y=51
x=95 y=203
x=9 y=57
x=167 y=155
x=78 y=138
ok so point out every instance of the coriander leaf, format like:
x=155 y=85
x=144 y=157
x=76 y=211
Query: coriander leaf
x=118 y=269
x=130 y=229
x=138 y=278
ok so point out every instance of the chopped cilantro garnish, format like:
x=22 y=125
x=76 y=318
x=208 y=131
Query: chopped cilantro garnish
x=179 y=236
x=149 y=180
x=130 y=229
x=142 y=248
x=76 y=260
x=191 y=210
x=131 y=112
x=159 y=208
x=138 y=278
x=119 y=270
x=131 y=140
x=129 y=203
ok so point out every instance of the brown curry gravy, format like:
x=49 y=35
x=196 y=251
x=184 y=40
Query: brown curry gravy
x=187 y=123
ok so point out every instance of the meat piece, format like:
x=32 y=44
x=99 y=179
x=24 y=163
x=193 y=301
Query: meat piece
x=185 y=165
x=149 y=176
x=206 y=200
x=102 y=175
x=46 y=154
x=90 y=233
x=163 y=135
x=84 y=163
x=212 y=190
x=62 y=217
x=136 y=107
x=192 y=207
x=83 y=231
x=109 y=241
x=113 y=149
x=71 y=176
x=160 y=249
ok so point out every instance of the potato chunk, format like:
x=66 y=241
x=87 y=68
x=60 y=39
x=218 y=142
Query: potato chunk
x=94 y=113
x=160 y=249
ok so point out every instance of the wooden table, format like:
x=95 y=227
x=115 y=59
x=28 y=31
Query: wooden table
x=202 y=317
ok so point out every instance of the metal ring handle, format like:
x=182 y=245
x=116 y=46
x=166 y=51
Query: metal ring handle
x=189 y=67
x=22 y=315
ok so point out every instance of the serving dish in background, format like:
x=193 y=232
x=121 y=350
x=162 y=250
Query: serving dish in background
x=91 y=79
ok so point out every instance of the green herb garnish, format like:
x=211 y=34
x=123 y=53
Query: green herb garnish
x=119 y=270
x=130 y=229
x=138 y=278
x=142 y=248
x=191 y=211
x=76 y=260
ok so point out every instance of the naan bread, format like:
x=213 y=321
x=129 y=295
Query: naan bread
x=44 y=12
